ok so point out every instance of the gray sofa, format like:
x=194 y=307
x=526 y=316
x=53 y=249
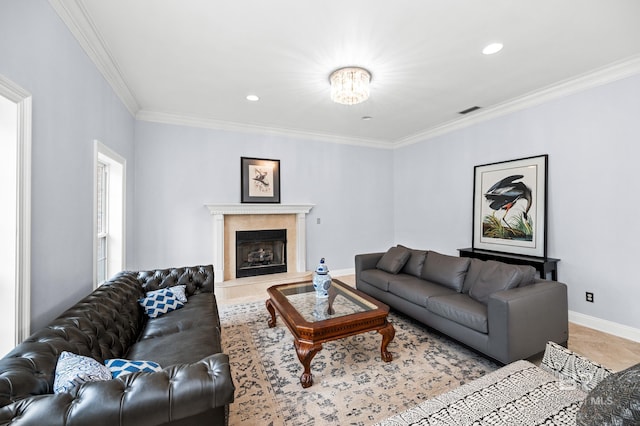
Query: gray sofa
x=501 y=310
x=194 y=385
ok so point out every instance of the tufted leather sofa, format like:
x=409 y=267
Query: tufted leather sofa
x=195 y=386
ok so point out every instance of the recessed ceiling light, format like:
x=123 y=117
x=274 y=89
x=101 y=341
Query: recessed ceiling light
x=252 y=98
x=492 y=48
x=367 y=118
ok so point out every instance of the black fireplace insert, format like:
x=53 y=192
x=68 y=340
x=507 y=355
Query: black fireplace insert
x=261 y=252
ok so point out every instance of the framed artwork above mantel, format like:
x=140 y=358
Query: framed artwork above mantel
x=510 y=206
x=259 y=180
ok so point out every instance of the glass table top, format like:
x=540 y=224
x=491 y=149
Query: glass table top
x=341 y=301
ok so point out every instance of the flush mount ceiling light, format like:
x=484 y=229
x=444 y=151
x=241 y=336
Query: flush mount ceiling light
x=350 y=85
x=492 y=48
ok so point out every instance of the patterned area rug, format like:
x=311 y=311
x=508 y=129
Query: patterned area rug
x=352 y=385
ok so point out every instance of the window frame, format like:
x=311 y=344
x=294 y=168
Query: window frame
x=114 y=216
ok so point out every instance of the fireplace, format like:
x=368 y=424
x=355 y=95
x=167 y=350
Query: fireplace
x=261 y=252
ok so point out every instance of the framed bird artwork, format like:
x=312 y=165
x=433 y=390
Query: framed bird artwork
x=510 y=206
x=259 y=180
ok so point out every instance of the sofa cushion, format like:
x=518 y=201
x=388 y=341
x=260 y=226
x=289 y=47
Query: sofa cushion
x=73 y=370
x=415 y=263
x=448 y=271
x=416 y=290
x=475 y=268
x=528 y=275
x=462 y=309
x=187 y=347
x=200 y=312
x=377 y=278
x=495 y=276
x=394 y=259
x=614 y=401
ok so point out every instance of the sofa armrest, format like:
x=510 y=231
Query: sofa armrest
x=138 y=399
x=367 y=261
x=522 y=320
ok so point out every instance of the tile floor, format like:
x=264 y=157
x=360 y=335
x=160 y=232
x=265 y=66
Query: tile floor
x=609 y=350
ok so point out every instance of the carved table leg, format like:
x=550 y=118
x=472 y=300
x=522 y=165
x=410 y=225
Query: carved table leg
x=272 y=311
x=306 y=352
x=388 y=333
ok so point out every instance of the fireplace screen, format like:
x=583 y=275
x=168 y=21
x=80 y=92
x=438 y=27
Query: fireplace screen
x=261 y=252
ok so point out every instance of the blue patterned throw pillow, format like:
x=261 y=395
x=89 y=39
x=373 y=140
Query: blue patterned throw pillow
x=179 y=291
x=121 y=367
x=157 y=304
x=72 y=370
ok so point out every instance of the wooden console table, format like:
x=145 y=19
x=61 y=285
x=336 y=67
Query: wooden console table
x=543 y=265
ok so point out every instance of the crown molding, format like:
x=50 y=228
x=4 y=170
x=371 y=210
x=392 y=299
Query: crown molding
x=77 y=19
x=208 y=123
x=608 y=74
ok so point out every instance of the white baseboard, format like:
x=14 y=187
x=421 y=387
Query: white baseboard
x=342 y=272
x=606 y=326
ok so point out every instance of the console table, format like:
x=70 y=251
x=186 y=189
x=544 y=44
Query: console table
x=543 y=265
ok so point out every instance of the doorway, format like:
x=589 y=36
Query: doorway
x=15 y=215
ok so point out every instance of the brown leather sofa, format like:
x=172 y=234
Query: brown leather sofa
x=194 y=387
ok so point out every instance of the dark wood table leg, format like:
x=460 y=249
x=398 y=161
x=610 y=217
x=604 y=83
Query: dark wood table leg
x=388 y=333
x=272 y=311
x=306 y=352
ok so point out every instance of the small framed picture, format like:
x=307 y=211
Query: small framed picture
x=260 y=180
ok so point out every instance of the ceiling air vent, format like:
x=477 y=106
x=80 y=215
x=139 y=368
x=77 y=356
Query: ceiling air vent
x=468 y=110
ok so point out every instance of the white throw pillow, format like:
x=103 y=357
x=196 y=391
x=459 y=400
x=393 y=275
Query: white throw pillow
x=72 y=370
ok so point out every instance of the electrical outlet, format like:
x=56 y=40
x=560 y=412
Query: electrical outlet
x=589 y=297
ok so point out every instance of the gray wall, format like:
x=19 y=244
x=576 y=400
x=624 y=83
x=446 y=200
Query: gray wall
x=180 y=169
x=592 y=141
x=72 y=106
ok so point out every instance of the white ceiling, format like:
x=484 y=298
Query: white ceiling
x=194 y=61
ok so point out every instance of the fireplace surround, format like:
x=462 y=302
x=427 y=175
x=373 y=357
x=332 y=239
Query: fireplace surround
x=228 y=218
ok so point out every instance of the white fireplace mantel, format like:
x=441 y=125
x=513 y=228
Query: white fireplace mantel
x=218 y=211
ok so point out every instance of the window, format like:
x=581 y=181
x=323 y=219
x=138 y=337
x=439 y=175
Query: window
x=102 y=220
x=109 y=249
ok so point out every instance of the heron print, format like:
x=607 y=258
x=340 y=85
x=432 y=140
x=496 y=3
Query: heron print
x=510 y=201
x=261 y=179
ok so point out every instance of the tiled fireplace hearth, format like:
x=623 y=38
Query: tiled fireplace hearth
x=229 y=218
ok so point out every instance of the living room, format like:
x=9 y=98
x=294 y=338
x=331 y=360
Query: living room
x=366 y=198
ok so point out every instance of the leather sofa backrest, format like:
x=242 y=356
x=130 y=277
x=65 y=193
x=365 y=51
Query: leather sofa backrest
x=198 y=279
x=102 y=325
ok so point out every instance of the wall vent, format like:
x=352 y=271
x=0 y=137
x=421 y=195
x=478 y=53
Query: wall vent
x=468 y=110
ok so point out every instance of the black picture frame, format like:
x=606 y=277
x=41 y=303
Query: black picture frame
x=510 y=206
x=259 y=180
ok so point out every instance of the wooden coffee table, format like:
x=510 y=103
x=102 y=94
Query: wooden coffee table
x=313 y=321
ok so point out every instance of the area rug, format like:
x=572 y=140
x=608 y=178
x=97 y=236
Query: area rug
x=352 y=385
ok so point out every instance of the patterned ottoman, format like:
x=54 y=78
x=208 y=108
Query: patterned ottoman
x=519 y=393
